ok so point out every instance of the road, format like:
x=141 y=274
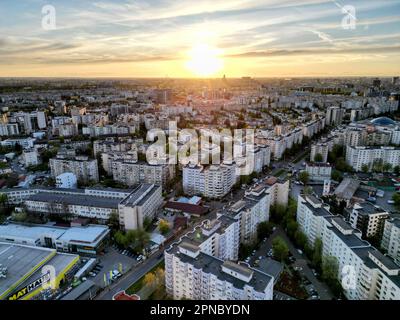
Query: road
x=139 y=271
x=130 y=277
x=302 y=261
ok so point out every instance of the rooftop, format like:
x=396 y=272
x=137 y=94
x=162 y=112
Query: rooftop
x=76 y=199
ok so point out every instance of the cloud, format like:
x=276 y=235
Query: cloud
x=316 y=51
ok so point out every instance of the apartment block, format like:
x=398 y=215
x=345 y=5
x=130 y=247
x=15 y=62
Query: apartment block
x=82 y=167
x=391 y=238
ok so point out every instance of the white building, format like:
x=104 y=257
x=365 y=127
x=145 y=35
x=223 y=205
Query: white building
x=30 y=157
x=82 y=167
x=214 y=181
x=193 y=274
x=334 y=115
x=359 y=156
x=25 y=143
x=391 y=238
x=141 y=204
x=319 y=148
x=368 y=218
x=364 y=272
x=131 y=173
x=66 y=180
x=319 y=171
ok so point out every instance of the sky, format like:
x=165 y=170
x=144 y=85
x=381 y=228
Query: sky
x=158 y=38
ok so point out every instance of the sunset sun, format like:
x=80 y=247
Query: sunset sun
x=204 y=60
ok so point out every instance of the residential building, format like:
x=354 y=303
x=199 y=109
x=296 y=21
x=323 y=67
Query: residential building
x=30 y=157
x=369 y=219
x=141 y=204
x=214 y=181
x=319 y=148
x=364 y=272
x=318 y=171
x=391 y=237
x=357 y=157
x=193 y=274
x=82 y=167
x=131 y=172
x=66 y=180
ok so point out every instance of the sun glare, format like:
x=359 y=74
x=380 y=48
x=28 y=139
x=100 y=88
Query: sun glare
x=204 y=61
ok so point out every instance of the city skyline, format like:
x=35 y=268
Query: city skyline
x=200 y=39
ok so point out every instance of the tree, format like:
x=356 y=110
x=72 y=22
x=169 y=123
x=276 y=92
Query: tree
x=396 y=170
x=304 y=177
x=163 y=226
x=291 y=227
x=264 y=230
x=318 y=157
x=377 y=165
x=317 y=255
x=280 y=249
x=277 y=213
x=300 y=238
x=330 y=268
x=336 y=176
x=113 y=221
x=365 y=168
x=387 y=167
x=146 y=223
x=396 y=199
x=150 y=280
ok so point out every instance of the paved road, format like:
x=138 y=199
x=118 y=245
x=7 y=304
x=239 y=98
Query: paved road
x=302 y=261
x=130 y=277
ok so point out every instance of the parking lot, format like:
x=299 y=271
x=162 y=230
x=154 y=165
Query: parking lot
x=110 y=261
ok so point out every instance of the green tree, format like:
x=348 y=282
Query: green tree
x=300 y=238
x=291 y=227
x=330 y=268
x=387 y=167
x=396 y=199
x=377 y=165
x=336 y=176
x=304 y=177
x=317 y=255
x=318 y=157
x=278 y=213
x=396 y=170
x=163 y=226
x=264 y=230
x=280 y=250
x=365 y=168
x=113 y=221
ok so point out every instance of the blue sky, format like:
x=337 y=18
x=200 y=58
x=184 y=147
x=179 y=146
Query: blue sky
x=154 y=37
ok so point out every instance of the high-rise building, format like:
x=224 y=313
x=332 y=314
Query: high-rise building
x=82 y=167
x=391 y=237
x=214 y=181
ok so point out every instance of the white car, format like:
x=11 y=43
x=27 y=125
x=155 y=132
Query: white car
x=140 y=258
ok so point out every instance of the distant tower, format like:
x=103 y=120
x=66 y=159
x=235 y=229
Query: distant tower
x=327 y=188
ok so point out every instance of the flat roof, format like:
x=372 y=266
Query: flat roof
x=139 y=195
x=20 y=261
x=31 y=232
x=76 y=199
x=87 y=234
x=79 y=290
